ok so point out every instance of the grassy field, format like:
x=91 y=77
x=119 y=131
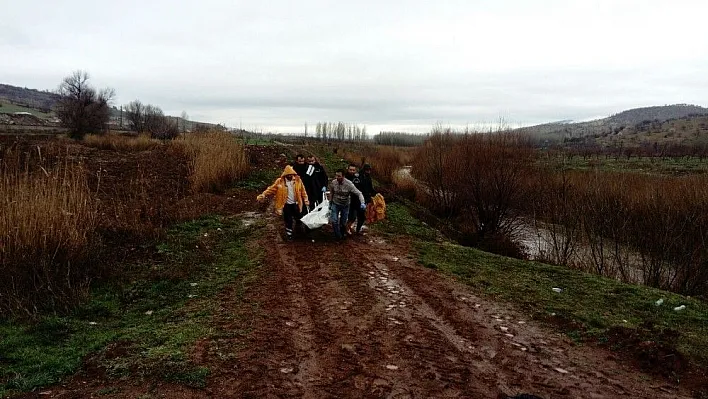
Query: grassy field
x=154 y=319
x=8 y=108
x=589 y=308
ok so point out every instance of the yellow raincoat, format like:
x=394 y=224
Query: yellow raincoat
x=281 y=191
x=376 y=209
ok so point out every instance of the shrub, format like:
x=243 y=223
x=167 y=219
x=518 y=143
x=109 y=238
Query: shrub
x=47 y=224
x=217 y=160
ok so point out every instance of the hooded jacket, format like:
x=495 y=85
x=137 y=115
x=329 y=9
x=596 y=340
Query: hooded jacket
x=281 y=191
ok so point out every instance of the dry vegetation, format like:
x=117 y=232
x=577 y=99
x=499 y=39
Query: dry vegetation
x=47 y=226
x=634 y=227
x=217 y=160
x=385 y=160
x=65 y=205
x=118 y=142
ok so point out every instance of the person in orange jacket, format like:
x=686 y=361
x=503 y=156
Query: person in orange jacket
x=290 y=198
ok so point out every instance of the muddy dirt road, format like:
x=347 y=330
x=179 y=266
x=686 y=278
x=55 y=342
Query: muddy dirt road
x=362 y=319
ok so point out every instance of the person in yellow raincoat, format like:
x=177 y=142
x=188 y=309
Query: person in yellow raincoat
x=290 y=198
x=376 y=209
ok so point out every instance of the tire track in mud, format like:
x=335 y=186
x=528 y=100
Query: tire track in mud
x=500 y=348
x=359 y=319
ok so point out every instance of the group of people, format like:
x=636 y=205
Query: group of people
x=304 y=184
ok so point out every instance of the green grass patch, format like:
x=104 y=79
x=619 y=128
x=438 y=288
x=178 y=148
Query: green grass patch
x=9 y=108
x=259 y=179
x=593 y=303
x=150 y=322
x=400 y=222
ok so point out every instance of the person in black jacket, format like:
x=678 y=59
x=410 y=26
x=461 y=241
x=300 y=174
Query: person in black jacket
x=319 y=179
x=362 y=181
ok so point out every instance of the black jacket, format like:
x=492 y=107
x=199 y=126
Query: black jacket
x=313 y=178
x=367 y=187
x=363 y=182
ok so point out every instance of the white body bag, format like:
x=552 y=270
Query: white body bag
x=319 y=216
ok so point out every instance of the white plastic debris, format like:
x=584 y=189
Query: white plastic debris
x=560 y=370
x=505 y=329
x=149 y=312
x=286 y=370
x=625 y=321
x=206 y=234
x=558 y=290
x=92 y=323
x=313 y=240
x=522 y=322
x=680 y=308
x=193 y=284
x=659 y=302
x=395 y=259
x=391 y=367
x=218 y=229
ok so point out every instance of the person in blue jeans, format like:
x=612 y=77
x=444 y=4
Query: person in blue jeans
x=340 y=191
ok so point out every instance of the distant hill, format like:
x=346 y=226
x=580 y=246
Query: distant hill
x=40 y=103
x=560 y=131
x=40 y=100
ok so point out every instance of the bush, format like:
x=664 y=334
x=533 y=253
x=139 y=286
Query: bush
x=47 y=224
x=633 y=227
x=217 y=160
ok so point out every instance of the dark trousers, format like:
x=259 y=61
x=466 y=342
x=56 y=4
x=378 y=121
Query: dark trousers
x=356 y=213
x=291 y=213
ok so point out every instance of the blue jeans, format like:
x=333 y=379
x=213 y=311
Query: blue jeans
x=338 y=217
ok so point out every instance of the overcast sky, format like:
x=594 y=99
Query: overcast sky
x=390 y=65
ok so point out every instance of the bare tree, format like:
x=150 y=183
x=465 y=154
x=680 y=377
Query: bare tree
x=81 y=108
x=135 y=113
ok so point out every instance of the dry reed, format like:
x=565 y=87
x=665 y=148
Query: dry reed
x=217 y=160
x=47 y=224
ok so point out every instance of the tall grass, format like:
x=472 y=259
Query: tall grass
x=217 y=160
x=117 y=142
x=47 y=224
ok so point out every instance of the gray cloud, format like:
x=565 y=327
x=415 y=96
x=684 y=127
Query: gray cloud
x=396 y=65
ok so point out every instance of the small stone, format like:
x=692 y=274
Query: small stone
x=149 y=312
x=391 y=367
x=286 y=370
x=193 y=284
x=505 y=329
x=560 y=370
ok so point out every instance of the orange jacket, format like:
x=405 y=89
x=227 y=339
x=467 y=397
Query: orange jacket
x=376 y=209
x=281 y=191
